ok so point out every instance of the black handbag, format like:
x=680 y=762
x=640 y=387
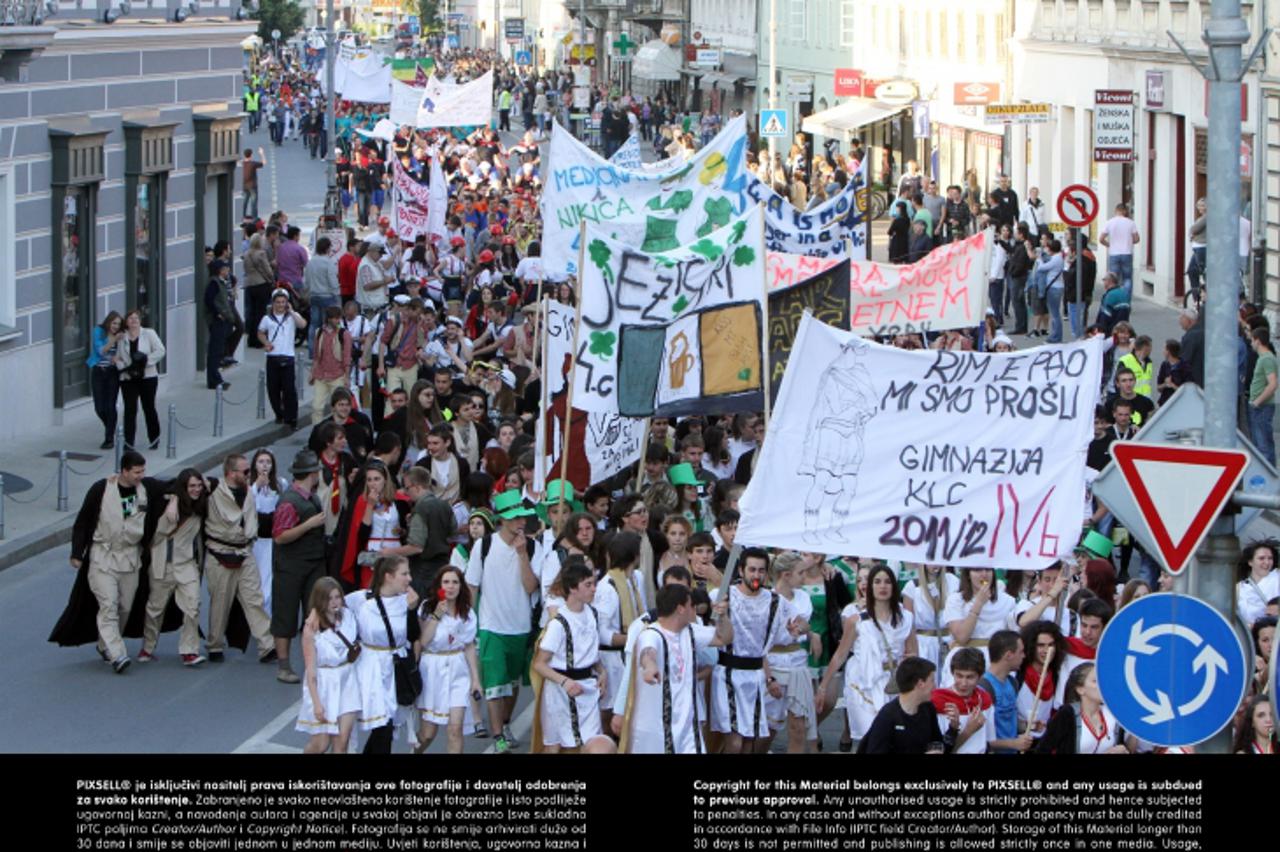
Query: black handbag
x=408 y=676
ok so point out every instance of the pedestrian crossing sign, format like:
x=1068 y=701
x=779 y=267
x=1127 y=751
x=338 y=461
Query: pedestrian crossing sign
x=773 y=123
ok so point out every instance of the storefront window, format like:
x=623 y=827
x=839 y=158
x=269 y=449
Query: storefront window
x=77 y=308
x=142 y=248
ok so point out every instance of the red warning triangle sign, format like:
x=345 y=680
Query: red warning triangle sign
x=1180 y=491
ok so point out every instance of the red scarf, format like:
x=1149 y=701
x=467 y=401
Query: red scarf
x=1042 y=688
x=335 y=471
x=1077 y=648
x=349 y=567
x=977 y=700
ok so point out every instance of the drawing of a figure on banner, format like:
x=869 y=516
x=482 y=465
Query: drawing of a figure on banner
x=834 y=450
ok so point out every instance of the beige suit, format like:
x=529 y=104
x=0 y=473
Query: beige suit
x=175 y=571
x=231 y=529
x=114 y=561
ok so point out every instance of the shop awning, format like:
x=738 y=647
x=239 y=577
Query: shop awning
x=717 y=79
x=847 y=117
x=656 y=61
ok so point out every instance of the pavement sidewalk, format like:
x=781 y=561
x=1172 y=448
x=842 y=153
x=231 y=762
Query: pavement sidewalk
x=32 y=521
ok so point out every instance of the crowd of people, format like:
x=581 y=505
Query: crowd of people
x=429 y=579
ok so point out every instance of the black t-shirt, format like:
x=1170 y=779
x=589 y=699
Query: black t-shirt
x=1142 y=407
x=363 y=179
x=128 y=500
x=895 y=732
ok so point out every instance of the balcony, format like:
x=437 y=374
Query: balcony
x=23 y=36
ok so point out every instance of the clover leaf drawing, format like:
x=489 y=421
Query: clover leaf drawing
x=679 y=305
x=708 y=249
x=602 y=343
x=600 y=255
x=719 y=211
x=744 y=256
x=739 y=230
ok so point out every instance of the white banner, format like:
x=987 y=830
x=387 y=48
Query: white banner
x=438 y=203
x=601 y=443
x=945 y=289
x=959 y=458
x=405 y=98
x=468 y=105
x=832 y=229
x=660 y=206
x=624 y=287
x=628 y=156
x=365 y=79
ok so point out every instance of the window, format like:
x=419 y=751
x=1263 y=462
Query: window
x=798 y=21
x=75 y=239
x=846 y=23
x=148 y=160
x=79 y=165
x=961 y=47
x=943 y=38
x=980 y=39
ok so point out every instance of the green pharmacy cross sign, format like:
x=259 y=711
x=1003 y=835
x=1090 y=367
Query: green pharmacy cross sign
x=624 y=44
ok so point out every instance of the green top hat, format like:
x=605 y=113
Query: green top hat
x=1095 y=544
x=682 y=474
x=554 y=489
x=509 y=505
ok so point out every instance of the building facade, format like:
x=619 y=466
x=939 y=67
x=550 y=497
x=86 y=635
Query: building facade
x=1125 y=46
x=118 y=151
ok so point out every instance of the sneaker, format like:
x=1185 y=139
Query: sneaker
x=510 y=737
x=103 y=655
x=193 y=659
x=268 y=657
x=121 y=664
x=288 y=676
x=154 y=445
x=146 y=657
x=215 y=656
x=481 y=732
x=500 y=745
x=107 y=444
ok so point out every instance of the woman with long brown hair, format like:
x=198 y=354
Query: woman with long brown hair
x=1046 y=648
x=175 y=567
x=330 y=694
x=449 y=665
x=387 y=627
x=973 y=614
x=137 y=354
x=414 y=420
x=370 y=524
x=103 y=374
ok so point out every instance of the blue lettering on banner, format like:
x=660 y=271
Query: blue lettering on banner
x=585 y=176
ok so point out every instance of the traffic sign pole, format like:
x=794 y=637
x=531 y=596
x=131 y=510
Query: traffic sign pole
x=1078 y=206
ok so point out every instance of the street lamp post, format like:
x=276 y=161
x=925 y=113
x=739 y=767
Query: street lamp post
x=332 y=206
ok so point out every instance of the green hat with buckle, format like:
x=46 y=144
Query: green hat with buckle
x=682 y=474
x=1095 y=544
x=509 y=505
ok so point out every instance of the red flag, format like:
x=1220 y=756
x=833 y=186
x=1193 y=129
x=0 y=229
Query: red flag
x=419 y=76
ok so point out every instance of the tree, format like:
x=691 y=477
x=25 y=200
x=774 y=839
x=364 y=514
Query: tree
x=283 y=15
x=429 y=16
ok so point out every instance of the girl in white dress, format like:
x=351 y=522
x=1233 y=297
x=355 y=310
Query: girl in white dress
x=330 y=695
x=449 y=666
x=787 y=666
x=1259 y=582
x=390 y=593
x=973 y=614
x=879 y=637
x=926 y=598
x=266 y=489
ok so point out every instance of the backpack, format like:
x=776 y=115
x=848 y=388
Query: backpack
x=529 y=545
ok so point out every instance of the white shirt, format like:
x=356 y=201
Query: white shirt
x=280 y=332
x=504 y=604
x=530 y=269
x=995 y=615
x=750 y=615
x=452 y=355
x=588 y=631
x=647 y=728
x=801 y=605
x=1120 y=231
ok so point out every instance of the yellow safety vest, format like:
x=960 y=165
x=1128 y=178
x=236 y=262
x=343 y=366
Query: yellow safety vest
x=251 y=102
x=1143 y=375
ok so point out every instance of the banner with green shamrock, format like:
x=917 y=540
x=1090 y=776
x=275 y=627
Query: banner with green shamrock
x=625 y=288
